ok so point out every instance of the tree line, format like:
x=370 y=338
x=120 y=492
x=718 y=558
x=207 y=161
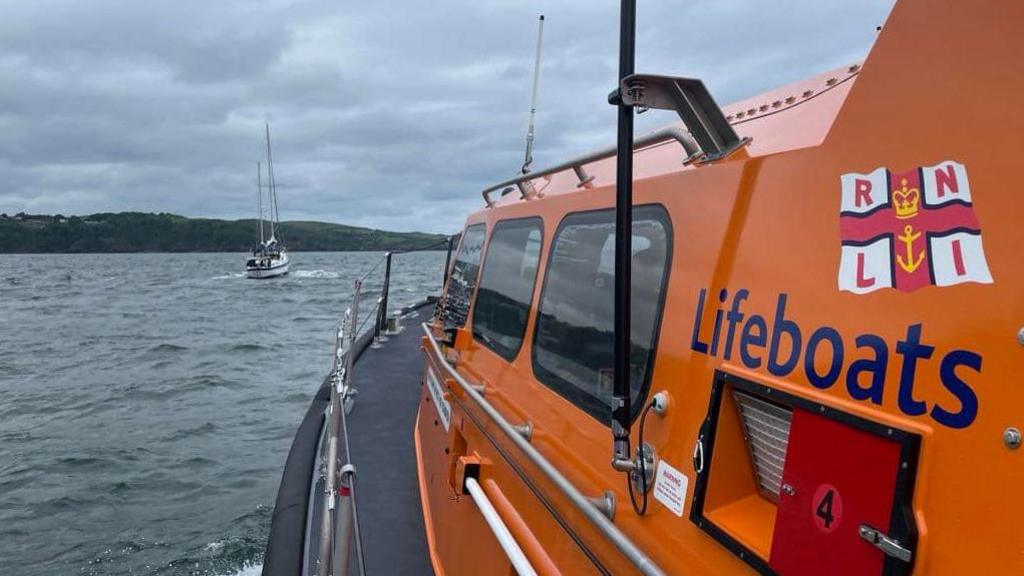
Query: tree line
x=146 y=232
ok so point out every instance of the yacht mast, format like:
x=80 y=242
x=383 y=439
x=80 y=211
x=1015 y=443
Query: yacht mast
x=259 y=195
x=271 y=185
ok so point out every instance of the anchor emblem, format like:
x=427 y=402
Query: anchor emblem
x=908 y=237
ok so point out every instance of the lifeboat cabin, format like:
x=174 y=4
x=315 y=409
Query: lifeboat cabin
x=800 y=354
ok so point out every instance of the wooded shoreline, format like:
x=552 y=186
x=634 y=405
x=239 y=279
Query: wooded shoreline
x=126 y=232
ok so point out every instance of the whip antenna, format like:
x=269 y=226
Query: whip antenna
x=533 y=101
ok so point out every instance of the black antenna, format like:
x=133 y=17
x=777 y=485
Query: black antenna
x=622 y=410
x=533 y=100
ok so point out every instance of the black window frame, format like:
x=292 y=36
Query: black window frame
x=486 y=342
x=471 y=298
x=584 y=401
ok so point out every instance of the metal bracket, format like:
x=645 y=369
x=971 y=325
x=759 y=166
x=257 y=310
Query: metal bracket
x=689 y=98
x=526 y=189
x=645 y=483
x=393 y=325
x=605 y=503
x=348 y=399
x=347 y=470
x=884 y=543
x=698 y=455
x=525 y=430
x=585 y=180
x=632 y=467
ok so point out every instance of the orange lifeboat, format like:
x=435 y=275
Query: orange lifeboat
x=824 y=341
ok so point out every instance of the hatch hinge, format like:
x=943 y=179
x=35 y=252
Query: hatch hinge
x=887 y=545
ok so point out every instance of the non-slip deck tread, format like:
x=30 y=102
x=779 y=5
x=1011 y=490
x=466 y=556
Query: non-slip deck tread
x=381 y=439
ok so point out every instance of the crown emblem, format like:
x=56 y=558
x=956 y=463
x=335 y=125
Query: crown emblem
x=905 y=200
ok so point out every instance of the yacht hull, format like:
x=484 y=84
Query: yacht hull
x=260 y=272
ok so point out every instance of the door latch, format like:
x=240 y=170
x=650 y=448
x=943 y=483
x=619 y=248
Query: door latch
x=887 y=545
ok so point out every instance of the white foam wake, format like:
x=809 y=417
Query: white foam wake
x=249 y=570
x=314 y=274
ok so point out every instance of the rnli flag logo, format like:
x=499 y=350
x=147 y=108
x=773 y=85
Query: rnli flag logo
x=909 y=229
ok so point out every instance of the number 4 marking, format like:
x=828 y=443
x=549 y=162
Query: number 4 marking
x=827 y=511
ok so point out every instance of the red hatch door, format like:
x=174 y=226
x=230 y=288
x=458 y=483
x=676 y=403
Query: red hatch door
x=836 y=477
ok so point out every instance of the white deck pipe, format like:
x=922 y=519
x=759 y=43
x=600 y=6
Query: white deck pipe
x=501 y=532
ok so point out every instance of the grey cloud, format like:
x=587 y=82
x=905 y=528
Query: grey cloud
x=388 y=114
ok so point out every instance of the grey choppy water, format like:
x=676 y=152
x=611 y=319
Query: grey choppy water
x=149 y=401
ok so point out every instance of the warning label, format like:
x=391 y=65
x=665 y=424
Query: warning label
x=670 y=488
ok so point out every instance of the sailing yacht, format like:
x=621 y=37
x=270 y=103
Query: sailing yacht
x=269 y=258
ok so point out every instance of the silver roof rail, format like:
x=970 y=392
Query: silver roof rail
x=523 y=181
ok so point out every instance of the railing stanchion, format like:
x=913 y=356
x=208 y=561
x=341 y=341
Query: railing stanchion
x=343 y=520
x=378 y=324
x=384 y=293
x=447 y=261
x=335 y=535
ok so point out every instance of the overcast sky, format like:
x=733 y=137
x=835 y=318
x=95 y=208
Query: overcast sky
x=392 y=113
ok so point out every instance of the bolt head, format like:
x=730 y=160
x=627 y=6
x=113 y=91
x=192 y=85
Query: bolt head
x=1020 y=337
x=1012 y=438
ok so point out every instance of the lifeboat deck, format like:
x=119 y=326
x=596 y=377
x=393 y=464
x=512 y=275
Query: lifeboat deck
x=381 y=439
x=380 y=426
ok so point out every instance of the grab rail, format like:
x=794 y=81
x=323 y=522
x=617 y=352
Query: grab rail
x=335 y=536
x=636 y=556
x=534 y=550
x=501 y=532
x=339 y=523
x=576 y=164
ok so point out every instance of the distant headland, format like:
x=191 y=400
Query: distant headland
x=146 y=232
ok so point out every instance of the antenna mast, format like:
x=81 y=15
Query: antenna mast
x=259 y=195
x=533 y=101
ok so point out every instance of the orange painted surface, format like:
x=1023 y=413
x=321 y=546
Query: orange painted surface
x=942 y=83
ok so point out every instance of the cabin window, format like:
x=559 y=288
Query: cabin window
x=506 y=285
x=462 y=281
x=573 y=344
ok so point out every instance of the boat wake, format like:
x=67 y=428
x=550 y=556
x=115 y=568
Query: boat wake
x=250 y=570
x=314 y=274
x=229 y=276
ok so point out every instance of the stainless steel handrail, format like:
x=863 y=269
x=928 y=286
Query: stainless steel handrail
x=576 y=164
x=340 y=518
x=636 y=556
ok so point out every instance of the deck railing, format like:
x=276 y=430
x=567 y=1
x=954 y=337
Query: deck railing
x=337 y=528
x=340 y=518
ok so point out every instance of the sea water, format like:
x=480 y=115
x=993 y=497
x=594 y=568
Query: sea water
x=149 y=401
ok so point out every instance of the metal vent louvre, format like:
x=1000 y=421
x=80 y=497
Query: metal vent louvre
x=766 y=431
